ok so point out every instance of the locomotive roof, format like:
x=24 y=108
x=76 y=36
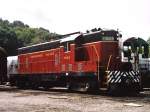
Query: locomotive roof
x=67 y=38
x=47 y=45
x=38 y=44
x=70 y=38
x=102 y=35
x=104 y=32
x=39 y=47
x=89 y=36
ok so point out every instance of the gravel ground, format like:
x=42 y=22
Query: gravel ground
x=60 y=100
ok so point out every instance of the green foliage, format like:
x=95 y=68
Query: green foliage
x=31 y=36
x=17 y=34
x=8 y=40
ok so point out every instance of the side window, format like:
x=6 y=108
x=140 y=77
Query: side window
x=127 y=51
x=81 y=52
x=107 y=38
x=66 y=46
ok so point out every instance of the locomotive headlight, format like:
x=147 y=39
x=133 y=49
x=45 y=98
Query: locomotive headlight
x=117 y=57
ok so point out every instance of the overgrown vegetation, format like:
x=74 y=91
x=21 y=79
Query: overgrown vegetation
x=17 y=34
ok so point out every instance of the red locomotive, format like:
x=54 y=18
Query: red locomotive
x=86 y=61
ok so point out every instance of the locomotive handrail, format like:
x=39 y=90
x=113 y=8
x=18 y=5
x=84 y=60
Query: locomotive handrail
x=97 y=60
x=108 y=64
x=110 y=56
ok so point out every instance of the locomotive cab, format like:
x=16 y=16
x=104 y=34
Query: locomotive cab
x=97 y=63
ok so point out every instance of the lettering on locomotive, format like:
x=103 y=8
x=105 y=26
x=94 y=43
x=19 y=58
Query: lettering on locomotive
x=37 y=56
x=67 y=57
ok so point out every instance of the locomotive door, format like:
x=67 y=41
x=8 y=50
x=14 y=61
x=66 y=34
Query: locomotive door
x=57 y=60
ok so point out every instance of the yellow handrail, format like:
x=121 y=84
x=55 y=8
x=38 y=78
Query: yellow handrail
x=110 y=56
x=97 y=60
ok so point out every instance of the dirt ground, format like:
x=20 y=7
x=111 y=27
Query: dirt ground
x=60 y=100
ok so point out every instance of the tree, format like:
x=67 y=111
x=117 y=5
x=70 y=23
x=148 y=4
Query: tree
x=18 y=24
x=8 y=40
x=17 y=34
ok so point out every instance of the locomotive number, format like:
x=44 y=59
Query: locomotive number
x=67 y=57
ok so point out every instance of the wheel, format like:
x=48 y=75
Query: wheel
x=34 y=86
x=69 y=86
x=91 y=86
x=87 y=86
x=20 y=84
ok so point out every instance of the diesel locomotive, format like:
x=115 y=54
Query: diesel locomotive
x=86 y=61
x=136 y=51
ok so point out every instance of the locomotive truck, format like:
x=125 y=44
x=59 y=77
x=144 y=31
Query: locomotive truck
x=86 y=61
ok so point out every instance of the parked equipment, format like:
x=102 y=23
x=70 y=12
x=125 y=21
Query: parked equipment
x=136 y=51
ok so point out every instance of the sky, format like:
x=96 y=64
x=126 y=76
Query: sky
x=131 y=17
